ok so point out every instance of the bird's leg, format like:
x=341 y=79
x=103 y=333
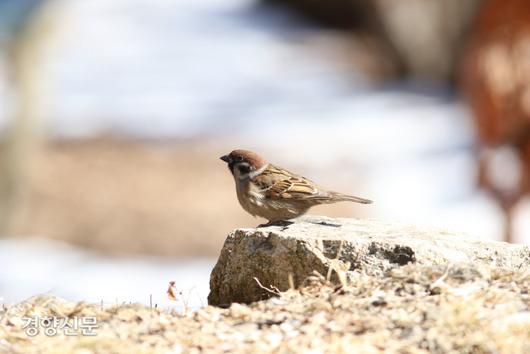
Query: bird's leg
x=264 y=225
x=284 y=223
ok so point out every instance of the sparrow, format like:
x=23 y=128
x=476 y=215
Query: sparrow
x=274 y=193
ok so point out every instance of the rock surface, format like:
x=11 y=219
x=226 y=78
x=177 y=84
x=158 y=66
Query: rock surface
x=284 y=256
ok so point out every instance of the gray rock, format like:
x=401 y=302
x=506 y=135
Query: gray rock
x=276 y=253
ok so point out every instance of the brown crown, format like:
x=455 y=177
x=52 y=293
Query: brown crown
x=252 y=158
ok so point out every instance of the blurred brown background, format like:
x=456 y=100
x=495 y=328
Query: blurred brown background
x=104 y=149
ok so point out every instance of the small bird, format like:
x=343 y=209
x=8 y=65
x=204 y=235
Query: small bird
x=274 y=193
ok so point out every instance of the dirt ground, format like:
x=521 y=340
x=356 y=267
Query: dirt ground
x=125 y=197
x=410 y=309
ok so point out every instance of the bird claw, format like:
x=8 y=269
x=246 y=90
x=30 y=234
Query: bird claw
x=283 y=223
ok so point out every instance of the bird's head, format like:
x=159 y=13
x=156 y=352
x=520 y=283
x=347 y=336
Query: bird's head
x=244 y=164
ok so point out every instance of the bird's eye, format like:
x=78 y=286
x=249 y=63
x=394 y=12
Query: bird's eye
x=239 y=158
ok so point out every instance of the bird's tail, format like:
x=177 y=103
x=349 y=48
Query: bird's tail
x=350 y=198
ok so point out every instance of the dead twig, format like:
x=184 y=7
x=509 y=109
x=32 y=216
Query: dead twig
x=274 y=290
x=331 y=266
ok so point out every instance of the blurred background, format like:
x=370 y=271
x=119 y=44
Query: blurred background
x=114 y=114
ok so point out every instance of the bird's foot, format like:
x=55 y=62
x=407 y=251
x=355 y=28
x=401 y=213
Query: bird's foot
x=283 y=223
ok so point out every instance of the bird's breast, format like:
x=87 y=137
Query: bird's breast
x=250 y=198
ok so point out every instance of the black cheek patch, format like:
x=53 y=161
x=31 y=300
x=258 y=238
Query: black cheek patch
x=243 y=169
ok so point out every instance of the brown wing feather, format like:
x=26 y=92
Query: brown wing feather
x=278 y=183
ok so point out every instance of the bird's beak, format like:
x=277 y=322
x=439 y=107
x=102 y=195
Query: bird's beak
x=225 y=158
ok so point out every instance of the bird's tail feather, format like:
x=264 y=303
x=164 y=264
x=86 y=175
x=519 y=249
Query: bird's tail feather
x=351 y=198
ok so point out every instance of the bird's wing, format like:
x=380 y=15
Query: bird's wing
x=277 y=183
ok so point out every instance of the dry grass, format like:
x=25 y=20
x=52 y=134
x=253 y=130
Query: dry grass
x=409 y=309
